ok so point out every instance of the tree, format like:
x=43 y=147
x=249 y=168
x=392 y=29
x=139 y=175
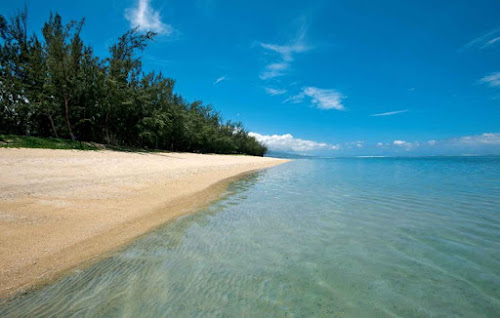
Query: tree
x=56 y=86
x=123 y=71
x=64 y=49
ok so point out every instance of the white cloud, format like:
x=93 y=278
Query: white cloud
x=486 y=142
x=484 y=41
x=286 y=55
x=277 y=66
x=390 y=113
x=357 y=144
x=484 y=139
x=405 y=144
x=274 y=70
x=325 y=98
x=220 y=79
x=287 y=142
x=286 y=51
x=146 y=18
x=322 y=98
x=295 y=99
x=493 y=41
x=275 y=91
x=492 y=80
x=353 y=144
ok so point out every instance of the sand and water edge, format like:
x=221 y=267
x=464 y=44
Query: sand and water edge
x=67 y=209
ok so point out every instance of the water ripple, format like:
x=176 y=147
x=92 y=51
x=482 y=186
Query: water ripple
x=313 y=238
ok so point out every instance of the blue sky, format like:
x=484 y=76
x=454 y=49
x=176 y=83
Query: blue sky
x=322 y=77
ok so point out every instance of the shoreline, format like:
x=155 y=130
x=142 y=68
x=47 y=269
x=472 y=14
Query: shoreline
x=66 y=209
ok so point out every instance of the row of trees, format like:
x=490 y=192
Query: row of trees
x=56 y=86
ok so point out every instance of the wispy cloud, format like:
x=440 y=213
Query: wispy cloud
x=486 y=143
x=320 y=97
x=295 y=99
x=492 y=80
x=220 y=79
x=287 y=142
x=325 y=98
x=390 y=113
x=274 y=70
x=146 y=18
x=483 y=139
x=287 y=51
x=493 y=41
x=280 y=66
x=407 y=145
x=484 y=41
x=398 y=145
x=354 y=144
x=483 y=143
x=275 y=91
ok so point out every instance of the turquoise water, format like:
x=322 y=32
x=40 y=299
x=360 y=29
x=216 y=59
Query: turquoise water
x=372 y=237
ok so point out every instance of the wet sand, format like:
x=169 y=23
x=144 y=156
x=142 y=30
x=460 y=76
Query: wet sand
x=60 y=209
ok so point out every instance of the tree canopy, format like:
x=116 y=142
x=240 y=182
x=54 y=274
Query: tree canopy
x=55 y=86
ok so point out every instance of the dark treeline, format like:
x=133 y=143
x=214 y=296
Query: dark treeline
x=54 y=86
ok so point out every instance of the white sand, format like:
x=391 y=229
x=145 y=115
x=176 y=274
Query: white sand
x=65 y=208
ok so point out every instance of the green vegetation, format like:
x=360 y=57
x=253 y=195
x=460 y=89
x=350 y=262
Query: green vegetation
x=56 y=87
x=16 y=141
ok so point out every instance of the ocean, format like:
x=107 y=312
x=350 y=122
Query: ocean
x=351 y=237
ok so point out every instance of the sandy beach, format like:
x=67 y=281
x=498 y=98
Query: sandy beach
x=60 y=209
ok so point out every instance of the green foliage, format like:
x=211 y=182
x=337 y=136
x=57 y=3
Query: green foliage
x=56 y=87
x=16 y=141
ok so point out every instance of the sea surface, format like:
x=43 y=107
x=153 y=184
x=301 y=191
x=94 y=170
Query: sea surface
x=359 y=237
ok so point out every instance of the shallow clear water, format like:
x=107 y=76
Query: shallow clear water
x=378 y=237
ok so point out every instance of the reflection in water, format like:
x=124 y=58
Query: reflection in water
x=416 y=237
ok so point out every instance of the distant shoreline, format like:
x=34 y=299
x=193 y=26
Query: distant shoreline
x=62 y=209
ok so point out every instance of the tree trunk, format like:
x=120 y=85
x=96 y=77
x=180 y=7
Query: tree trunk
x=66 y=113
x=106 y=128
x=52 y=125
